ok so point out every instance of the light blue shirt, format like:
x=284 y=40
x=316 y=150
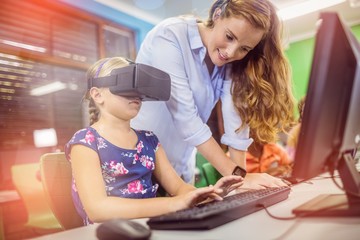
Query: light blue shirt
x=175 y=47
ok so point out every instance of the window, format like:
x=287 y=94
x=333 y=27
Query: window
x=46 y=44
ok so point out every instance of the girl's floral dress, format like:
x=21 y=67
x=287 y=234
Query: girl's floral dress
x=127 y=173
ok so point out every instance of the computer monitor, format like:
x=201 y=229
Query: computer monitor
x=330 y=127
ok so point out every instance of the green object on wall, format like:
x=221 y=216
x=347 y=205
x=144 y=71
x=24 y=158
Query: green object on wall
x=300 y=56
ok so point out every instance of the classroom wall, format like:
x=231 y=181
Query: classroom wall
x=300 y=57
x=140 y=27
x=299 y=53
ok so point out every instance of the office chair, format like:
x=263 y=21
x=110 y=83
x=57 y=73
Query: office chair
x=40 y=217
x=56 y=178
x=210 y=173
x=200 y=180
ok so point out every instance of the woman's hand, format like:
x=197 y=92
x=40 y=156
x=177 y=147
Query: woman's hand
x=261 y=181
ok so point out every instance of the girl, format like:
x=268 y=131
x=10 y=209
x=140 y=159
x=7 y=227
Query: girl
x=113 y=165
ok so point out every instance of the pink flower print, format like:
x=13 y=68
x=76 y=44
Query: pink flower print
x=147 y=162
x=139 y=147
x=89 y=137
x=118 y=169
x=150 y=165
x=136 y=158
x=101 y=143
x=135 y=186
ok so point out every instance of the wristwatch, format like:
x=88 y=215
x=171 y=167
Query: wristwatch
x=239 y=171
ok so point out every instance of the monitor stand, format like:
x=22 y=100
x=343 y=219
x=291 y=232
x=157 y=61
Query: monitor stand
x=337 y=205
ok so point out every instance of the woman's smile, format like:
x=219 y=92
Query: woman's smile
x=222 y=57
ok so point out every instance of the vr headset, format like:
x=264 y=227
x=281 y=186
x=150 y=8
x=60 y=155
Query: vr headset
x=136 y=80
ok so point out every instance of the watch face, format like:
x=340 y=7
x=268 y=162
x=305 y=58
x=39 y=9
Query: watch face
x=238 y=171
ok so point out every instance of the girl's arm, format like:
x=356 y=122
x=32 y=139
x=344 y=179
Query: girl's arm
x=167 y=176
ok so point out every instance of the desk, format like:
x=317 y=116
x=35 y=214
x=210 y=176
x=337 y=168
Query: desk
x=259 y=225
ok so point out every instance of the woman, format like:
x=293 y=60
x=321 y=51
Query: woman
x=235 y=56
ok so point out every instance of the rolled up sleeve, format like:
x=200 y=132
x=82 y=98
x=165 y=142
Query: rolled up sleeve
x=239 y=140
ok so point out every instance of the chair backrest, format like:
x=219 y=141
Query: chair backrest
x=25 y=178
x=200 y=180
x=56 y=178
x=211 y=174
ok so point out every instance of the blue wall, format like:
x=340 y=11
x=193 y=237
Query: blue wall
x=139 y=26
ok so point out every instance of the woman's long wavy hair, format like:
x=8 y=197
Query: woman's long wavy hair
x=101 y=68
x=261 y=82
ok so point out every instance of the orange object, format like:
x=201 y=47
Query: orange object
x=272 y=160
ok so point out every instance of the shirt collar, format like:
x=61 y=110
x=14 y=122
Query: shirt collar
x=194 y=34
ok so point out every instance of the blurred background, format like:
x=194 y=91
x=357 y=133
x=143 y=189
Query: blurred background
x=47 y=45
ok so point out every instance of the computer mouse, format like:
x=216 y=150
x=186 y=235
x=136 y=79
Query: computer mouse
x=122 y=229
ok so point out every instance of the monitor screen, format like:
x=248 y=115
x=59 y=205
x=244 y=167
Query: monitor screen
x=330 y=127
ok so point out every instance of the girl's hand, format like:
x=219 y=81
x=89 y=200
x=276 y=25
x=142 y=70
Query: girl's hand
x=193 y=198
x=200 y=195
x=227 y=184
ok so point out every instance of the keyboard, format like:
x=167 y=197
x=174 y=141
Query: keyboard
x=216 y=213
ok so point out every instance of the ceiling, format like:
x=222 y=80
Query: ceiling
x=296 y=29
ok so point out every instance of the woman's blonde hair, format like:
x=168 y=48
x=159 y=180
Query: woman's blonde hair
x=101 y=68
x=261 y=82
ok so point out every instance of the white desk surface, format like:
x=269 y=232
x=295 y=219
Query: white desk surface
x=259 y=225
